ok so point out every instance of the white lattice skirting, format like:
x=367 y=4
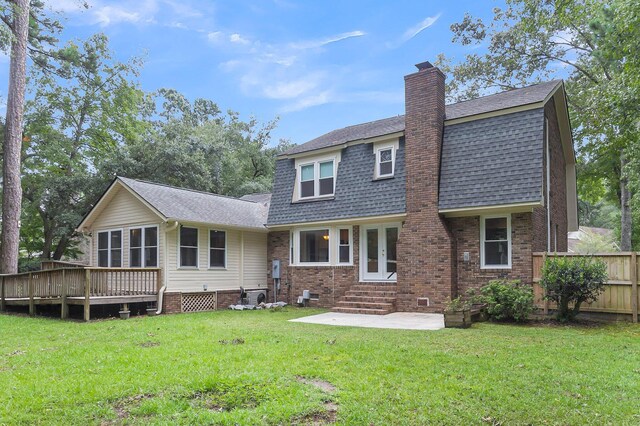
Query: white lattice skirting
x=197 y=302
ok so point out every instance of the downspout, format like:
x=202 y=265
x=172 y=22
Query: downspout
x=546 y=125
x=173 y=227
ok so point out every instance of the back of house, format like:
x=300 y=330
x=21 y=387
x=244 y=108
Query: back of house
x=405 y=212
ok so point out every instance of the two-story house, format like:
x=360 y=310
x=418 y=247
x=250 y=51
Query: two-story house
x=396 y=214
x=405 y=212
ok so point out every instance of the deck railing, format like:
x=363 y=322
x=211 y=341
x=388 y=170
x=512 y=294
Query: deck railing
x=78 y=282
x=620 y=294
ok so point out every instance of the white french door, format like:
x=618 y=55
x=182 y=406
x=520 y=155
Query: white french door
x=378 y=255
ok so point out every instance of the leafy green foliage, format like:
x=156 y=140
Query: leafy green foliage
x=507 y=300
x=571 y=281
x=456 y=305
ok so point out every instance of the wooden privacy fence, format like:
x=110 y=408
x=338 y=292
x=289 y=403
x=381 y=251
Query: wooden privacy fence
x=79 y=285
x=620 y=294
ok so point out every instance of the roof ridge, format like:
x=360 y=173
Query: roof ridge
x=186 y=189
x=505 y=91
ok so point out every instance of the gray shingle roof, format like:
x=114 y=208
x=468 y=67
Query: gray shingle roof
x=493 y=161
x=355 y=188
x=509 y=99
x=201 y=207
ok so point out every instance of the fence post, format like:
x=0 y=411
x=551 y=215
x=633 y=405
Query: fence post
x=87 y=294
x=64 y=308
x=2 y=301
x=545 y=308
x=634 y=286
x=32 y=305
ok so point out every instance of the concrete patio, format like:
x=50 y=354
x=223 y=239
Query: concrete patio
x=396 y=320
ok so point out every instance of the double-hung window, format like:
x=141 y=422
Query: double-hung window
x=110 y=249
x=217 y=249
x=188 y=247
x=143 y=247
x=317 y=179
x=496 y=241
x=344 y=245
x=385 y=162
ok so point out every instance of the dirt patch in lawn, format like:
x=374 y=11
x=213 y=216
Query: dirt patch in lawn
x=123 y=406
x=225 y=397
x=319 y=383
x=149 y=344
x=319 y=418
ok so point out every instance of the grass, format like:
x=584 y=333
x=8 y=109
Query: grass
x=258 y=368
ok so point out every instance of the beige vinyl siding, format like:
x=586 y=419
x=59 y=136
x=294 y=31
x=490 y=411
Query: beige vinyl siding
x=124 y=211
x=193 y=279
x=255 y=259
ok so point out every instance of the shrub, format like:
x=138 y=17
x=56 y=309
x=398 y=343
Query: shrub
x=507 y=300
x=456 y=305
x=572 y=281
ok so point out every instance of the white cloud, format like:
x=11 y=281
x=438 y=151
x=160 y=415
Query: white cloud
x=292 y=89
x=321 y=98
x=311 y=44
x=237 y=38
x=108 y=15
x=418 y=28
x=215 y=36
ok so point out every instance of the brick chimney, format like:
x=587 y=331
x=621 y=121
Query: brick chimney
x=425 y=245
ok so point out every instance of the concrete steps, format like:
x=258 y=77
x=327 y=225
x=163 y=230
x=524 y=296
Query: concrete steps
x=368 y=298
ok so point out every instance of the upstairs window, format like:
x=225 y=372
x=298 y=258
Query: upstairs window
x=188 y=247
x=317 y=179
x=496 y=242
x=385 y=162
x=110 y=249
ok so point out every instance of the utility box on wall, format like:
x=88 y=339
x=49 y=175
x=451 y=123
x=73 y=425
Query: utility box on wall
x=275 y=269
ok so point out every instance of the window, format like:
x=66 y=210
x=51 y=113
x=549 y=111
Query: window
x=314 y=246
x=317 y=179
x=344 y=245
x=143 y=247
x=385 y=159
x=110 y=249
x=496 y=242
x=188 y=247
x=217 y=249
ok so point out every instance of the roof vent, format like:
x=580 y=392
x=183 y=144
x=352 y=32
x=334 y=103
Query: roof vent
x=424 y=65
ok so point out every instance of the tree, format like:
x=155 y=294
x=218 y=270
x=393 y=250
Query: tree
x=572 y=281
x=535 y=40
x=12 y=189
x=72 y=125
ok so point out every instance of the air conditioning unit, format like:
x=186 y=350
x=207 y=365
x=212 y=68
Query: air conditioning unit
x=255 y=297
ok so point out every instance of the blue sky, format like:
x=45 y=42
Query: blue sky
x=318 y=65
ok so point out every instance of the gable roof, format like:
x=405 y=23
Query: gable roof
x=386 y=126
x=187 y=205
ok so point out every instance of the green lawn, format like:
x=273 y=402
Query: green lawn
x=248 y=368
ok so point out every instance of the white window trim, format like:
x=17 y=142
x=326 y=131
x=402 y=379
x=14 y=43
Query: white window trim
x=337 y=239
x=109 y=231
x=143 y=246
x=178 y=264
x=316 y=179
x=217 y=268
x=393 y=161
x=315 y=161
x=296 y=253
x=482 y=241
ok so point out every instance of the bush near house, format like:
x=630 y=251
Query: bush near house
x=507 y=300
x=571 y=281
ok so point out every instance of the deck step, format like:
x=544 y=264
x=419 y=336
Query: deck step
x=361 y=311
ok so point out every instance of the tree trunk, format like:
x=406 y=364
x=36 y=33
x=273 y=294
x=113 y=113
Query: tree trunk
x=12 y=189
x=61 y=247
x=625 y=208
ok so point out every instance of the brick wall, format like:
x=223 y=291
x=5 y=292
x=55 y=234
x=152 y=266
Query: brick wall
x=172 y=303
x=466 y=232
x=329 y=282
x=425 y=245
x=558 y=194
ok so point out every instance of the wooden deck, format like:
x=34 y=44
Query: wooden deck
x=80 y=285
